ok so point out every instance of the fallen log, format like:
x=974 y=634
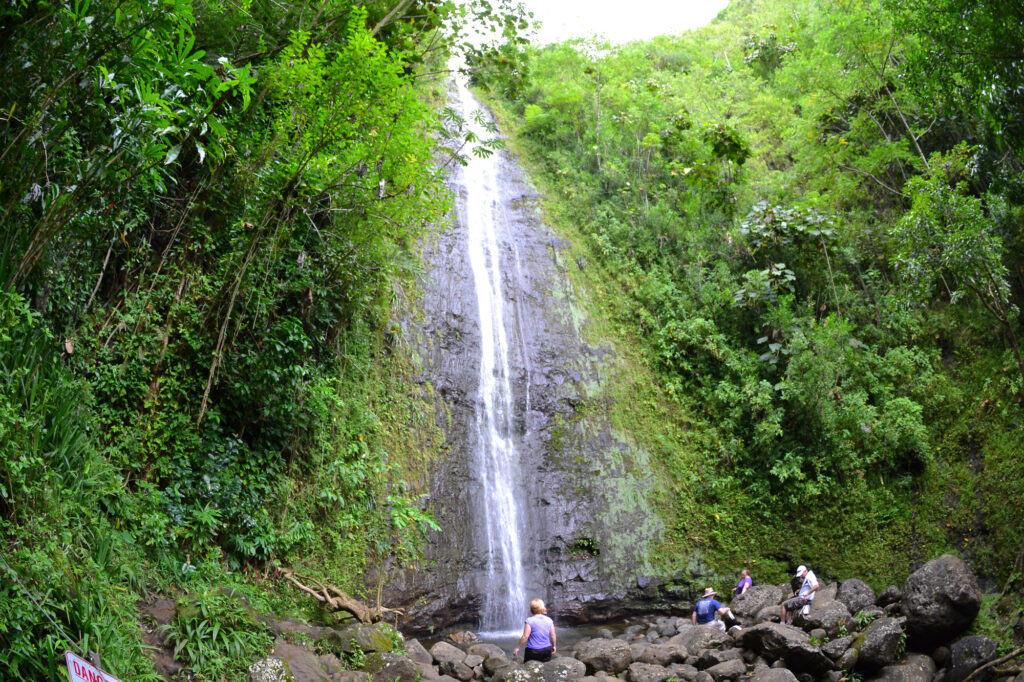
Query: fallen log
x=335 y=599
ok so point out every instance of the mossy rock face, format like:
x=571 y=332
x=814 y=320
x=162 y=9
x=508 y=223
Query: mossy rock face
x=391 y=667
x=368 y=639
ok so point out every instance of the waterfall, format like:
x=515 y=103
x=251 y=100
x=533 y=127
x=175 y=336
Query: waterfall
x=495 y=450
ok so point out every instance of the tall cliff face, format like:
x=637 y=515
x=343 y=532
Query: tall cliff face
x=584 y=490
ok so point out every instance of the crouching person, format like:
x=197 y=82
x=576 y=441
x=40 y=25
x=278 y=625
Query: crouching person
x=705 y=610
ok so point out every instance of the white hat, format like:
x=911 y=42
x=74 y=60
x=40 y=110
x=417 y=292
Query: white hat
x=800 y=570
x=709 y=592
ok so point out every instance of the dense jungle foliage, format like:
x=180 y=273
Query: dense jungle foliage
x=809 y=215
x=208 y=215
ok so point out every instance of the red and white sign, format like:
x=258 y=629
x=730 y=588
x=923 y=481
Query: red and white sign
x=83 y=671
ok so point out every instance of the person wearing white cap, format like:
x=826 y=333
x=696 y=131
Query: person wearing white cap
x=704 y=610
x=802 y=598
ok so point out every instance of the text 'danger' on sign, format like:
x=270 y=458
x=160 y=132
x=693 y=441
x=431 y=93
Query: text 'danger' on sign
x=81 y=670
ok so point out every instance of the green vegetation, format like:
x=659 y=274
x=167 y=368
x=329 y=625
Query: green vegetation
x=808 y=222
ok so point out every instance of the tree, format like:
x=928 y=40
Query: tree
x=947 y=239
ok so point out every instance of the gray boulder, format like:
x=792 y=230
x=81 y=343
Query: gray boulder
x=697 y=638
x=780 y=642
x=647 y=672
x=940 y=600
x=417 y=652
x=889 y=595
x=848 y=661
x=880 y=644
x=748 y=605
x=829 y=615
x=663 y=654
x=828 y=591
x=392 y=667
x=513 y=672
x=855 y=595
x=728 y=670
x=270 y=669
x=636 y=649
x=836 y=647
x=968 y=654
x=493 y=663
x=443 y=652
x=913 y=668
x=486 y=650
x=610 y=655
x=428 y=673
x=712 y=657
x=303 y=664
x=769 y=614
x=562 y=669
x=772 y=675
x=683 y=671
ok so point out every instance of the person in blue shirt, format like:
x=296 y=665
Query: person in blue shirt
x=704 y=610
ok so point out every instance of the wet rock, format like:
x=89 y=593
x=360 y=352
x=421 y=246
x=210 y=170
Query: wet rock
x=728 y=670
x=940 y=600
x=880 y=644
x=781 y=642
x=748 y=605
x=663 y=654
x=270 y=669
x=968 y=654
x=836 y=647
x=913 y=668
x=647 y=672
x=773 y=675
x=855 y=595
x=562 y=669
x=610 y=655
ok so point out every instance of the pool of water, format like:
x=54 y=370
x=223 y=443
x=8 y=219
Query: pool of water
x=567 y=636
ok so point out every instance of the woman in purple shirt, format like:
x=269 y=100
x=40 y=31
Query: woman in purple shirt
x=538 y=635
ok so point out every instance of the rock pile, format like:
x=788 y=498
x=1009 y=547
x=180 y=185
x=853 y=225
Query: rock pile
x=897 y=636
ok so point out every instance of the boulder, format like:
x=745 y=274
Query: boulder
x=828 y=591
x=728 y=670
x=360 y=676
x=829 y=615
x=772 y=675
x=663 y=654
x=699 y=637
x=494 y=663
x=486 y=650
x=683 y=671
x=913 y=668
x=712 y=657
x=428 y=672
x=647 y=672
x=270 y=669
x=969 y=653
x=443 y=652
x=889 y=595
x=780 y=642
x=562 y=669
x=366 y=639
x=303 y=664
x=610 y=655
x=513 y=672
x=940 y=600
x=848 y=660
x=836 y=647
x=417 y=652
x=880 y=644
x=636 y=649
x=391 y=667
x=769 y=614
x=748 y=605
x=855 y=595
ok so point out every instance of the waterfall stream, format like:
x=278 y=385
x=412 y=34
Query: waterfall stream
x=495 y=453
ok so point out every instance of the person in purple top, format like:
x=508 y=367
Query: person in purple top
x=745 y=582
x=538 y=635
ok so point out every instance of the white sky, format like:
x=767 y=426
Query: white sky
x=620 y=21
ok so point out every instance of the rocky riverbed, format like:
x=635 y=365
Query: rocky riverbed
x=913 y=634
